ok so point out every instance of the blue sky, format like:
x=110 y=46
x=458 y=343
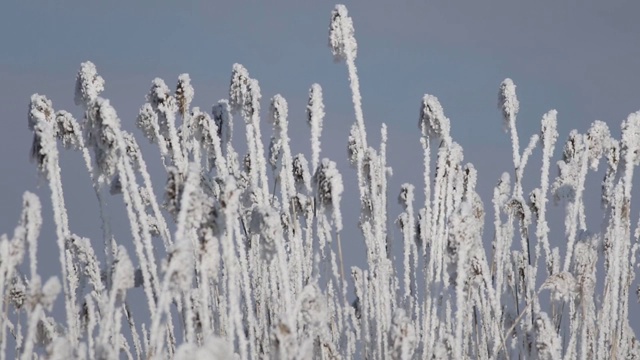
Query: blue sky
x=579 y=57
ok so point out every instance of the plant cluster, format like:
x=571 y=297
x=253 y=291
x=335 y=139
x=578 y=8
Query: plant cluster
x=253 y=267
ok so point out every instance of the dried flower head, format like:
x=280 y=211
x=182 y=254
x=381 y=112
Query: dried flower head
x=224 y=120
x=239 y=95
x=598 y=138
x=433 y=122
x=147 y=122
x=159 y=96
x=184 y=93
x=508 y=101
x=89 y=84
x=41 y=122
x=301 y=174
x=265 y=221
x=562 y=285
x=40 y=109
x=341 y=35
x=101 y=131
x=68 y=130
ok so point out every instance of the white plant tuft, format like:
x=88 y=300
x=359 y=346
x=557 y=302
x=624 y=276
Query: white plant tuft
x=89 y=84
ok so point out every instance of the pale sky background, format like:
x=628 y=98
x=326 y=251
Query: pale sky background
x=579 y=57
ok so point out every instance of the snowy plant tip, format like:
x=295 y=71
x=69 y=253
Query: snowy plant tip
x=102 y=130
x=550 y=126
x=64 y=126
x=599 y=139
x=433 y=123
x=184 y=93
x=279 y=111
x=301 y=173
x=89 y=84
x=67 y=130
x=238 y=89
x=406 y=194
x=330 y=188
x=159 y=95
x=147 y=122
x=40 y=109
x=507 y=100
x=342 y=40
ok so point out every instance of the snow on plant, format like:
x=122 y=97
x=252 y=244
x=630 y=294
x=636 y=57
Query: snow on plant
x=251 y=265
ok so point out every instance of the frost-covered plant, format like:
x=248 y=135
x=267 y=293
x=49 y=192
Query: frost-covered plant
x=251 y=266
